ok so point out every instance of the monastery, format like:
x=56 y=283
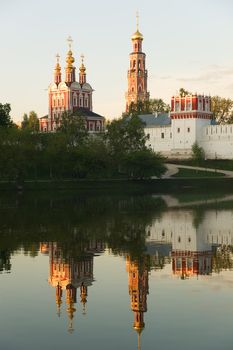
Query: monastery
x=190 y=120
x=70 y=96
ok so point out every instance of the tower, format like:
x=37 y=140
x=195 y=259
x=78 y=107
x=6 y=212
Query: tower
x=137 y=73
x=189 y=115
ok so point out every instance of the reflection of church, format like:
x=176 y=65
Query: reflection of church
x=138 y=290
x=69 y=273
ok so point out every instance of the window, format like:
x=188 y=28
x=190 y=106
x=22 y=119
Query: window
x=177 y=106
x=162 y=135
x=178 y=130
x=170 y=135
x=188 y=106
x=188 y=129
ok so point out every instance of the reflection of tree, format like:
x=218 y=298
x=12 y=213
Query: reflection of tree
x=120 y=221
x=5 y=264
x=223 y=258
x=198 y=216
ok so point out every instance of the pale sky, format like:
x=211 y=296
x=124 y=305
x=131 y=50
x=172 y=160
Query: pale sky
x=188 y=44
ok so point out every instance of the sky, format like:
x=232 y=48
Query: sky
x=188 y=44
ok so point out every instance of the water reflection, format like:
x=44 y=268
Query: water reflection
x=69 y=272
x=191 y=242
x=138 y=289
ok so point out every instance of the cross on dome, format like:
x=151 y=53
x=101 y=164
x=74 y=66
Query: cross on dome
x=70 y=41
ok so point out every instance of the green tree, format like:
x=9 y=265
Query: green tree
x=5 y=119
x=74 y=127
x=159 y=106
x=222 y=109
x=30 y=122
x=198 y=154
x=183 y=92
x=33 y=121
x=151 y=106
x=143 y=164
x=125 y=134
x=25 y=122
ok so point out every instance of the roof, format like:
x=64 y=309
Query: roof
x=153 y=120
x=44 y=117
x=84 y=112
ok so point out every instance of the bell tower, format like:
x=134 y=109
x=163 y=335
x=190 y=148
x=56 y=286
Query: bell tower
x=137 y=73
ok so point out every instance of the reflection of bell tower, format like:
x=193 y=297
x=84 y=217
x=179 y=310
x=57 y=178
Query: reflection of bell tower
x=138 y=290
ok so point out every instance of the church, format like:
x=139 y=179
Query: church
x=190 y=120
x=70 y=96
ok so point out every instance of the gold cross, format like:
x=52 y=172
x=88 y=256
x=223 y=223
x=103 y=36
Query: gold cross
x=70 y=41
x=58 y=57
x=137 y=19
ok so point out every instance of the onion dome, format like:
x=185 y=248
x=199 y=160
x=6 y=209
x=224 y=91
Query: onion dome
x=82 y=68
x=137 y=36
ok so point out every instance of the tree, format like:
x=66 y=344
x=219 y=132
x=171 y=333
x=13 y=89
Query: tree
x=30 y=122
x=74 y=127
x=159 y=106
x=143 y=164
x=5 y=119
x=33 y=121
x=183 y=92
x=125 y=134
x=25 y=122
x=222 y=109
x=151 y=106
x=198 y=154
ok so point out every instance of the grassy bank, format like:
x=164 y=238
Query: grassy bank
x=221 y=164
x=196 y=173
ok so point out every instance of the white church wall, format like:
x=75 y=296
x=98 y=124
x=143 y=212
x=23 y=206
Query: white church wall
x=160 y=139
x=184 y=133
x=217 y=141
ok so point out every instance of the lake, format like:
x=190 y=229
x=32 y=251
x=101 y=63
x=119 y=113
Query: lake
x=130 y=271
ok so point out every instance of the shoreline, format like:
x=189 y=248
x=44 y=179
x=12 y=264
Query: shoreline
x=151 y=185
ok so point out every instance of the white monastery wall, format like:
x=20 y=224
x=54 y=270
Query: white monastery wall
x=177 y=139
x=217 y=141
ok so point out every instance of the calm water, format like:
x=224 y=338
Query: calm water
x=110 y=272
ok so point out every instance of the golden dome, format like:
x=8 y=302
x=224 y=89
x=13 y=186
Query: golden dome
x=70 y=59
x=137 y=36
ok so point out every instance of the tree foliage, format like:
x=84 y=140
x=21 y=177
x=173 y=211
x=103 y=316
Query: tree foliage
x=222 y=109
x=183 y=92
x=148 y=107
x=30 y=122
x=5 y=119
x=72 y=153
x=198 y=154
